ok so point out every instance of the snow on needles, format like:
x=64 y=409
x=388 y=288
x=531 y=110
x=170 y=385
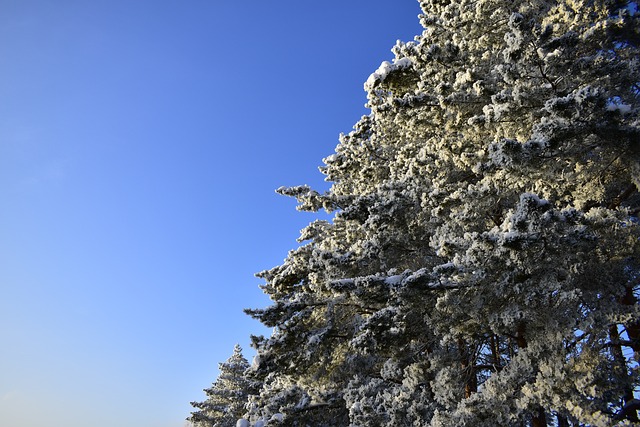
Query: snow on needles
x=384 y=70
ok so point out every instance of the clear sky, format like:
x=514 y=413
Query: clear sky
x=140 y=146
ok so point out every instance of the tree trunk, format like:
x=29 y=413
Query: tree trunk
x=468 y=369
x=562 y=421
x=538 y=418
x=495 y=353
x=633 y=328
x=520 y=339
x=628 y=412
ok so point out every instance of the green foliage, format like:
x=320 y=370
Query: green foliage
x=481 y=267
x=227 y=396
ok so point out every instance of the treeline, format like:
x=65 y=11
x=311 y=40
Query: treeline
x=482 y=264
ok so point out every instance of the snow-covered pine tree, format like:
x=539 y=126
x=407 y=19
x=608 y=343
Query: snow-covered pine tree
x=482 y=266
x=227 y=396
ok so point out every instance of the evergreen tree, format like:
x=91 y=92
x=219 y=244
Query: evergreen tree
x=483 y=263
x=227 y=397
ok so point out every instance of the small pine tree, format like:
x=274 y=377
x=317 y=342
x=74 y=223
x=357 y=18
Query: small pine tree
x=227 y=396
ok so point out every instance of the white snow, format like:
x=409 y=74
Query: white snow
x=394 y=280
x=383 y=71
x=621 y=108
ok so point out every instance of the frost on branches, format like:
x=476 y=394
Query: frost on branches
x=483 y=263
x=227 y=397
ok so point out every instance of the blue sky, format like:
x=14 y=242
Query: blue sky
x=140 y=146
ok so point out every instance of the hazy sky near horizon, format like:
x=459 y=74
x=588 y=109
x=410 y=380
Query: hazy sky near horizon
x=140 y=146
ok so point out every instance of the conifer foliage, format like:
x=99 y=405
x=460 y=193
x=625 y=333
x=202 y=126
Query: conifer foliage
x=482 y=266
x=227 y=396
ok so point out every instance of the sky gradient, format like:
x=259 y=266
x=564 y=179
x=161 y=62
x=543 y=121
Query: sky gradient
x=140 y=146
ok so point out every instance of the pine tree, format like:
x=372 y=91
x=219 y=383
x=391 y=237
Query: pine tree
x=482 y=266
x=228 y=395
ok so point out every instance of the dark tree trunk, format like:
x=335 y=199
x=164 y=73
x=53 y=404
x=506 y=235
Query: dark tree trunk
x=629 y=412
x=495 y=353
x=633 y=328
x=562 y=421
x=539 y=417
x=468 y=369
